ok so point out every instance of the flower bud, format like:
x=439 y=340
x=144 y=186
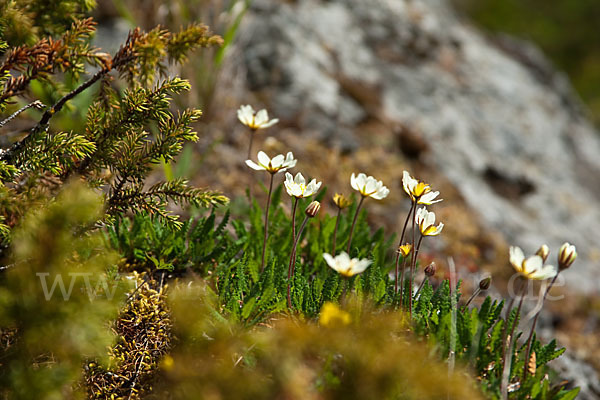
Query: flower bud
x=430 y=270
x=543 y=252
x=313 y=209
x=485 y=283
x=341 y=201
x=404 y=249
x=566 y=255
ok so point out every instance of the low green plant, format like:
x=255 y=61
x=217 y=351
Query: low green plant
x=246 y=296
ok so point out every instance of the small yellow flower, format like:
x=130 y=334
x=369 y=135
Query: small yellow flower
x=279 y=163
x=332 y=315
x=255 y=120
x=346 y=266
x=405 y=249
x=566 y=255
x=426 y=220
x=369 y=186
x=532 y=267
x=418 y=191
x=341 y=201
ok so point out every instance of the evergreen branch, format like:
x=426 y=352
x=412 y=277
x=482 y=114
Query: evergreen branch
x=11 y=153
x=37 y=104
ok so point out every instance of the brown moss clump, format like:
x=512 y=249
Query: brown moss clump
x=144 y=337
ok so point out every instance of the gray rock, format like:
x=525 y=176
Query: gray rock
x=500 y=123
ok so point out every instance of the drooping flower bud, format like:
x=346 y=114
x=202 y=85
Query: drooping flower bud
x=485 y=283
x=566 y=255
x=430 y=270
x=313 y=209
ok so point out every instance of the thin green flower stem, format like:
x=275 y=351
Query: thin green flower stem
x=402 y=282
x=400 y=244
x=346 y=286
x=505 y=327
x=354 y=223
x=293 y=254
x=420 y=287
x=414 y=208
x=293 y=261
x=337 y=223
x=266 y=235
x=529 y=339
x=413 y=266
x=294 y=219
x=252 y=132
x=507 y=356
x=475 y=293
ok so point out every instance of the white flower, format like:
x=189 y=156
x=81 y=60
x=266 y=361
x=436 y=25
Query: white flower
x=255 y=120
x=369 y=186
x=418 y=191
x=566 y=255
x=426 y=220
x=297 y=187
x=279 y=163
x=532 y=267
x=346 y=266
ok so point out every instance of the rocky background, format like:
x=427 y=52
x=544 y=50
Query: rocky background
x=385 y=85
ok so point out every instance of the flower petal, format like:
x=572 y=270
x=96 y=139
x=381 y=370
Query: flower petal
x=353 y=182
x=261 y=118
x=289 y=178
x=516 y=257
x=299 y=179
x=254 y=165
x=270 y=123
x=370 y=186
x=532 y=264
x=263 y=158
x=361 y=265
x=277 y=161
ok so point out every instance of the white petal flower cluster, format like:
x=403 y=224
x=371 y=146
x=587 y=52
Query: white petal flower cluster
x=346 y=266
x=418 y=191
x=369 y=186
x=297 y=187
x=532 y=267
x=279 y=163
x=255 y=120
x=426 y=221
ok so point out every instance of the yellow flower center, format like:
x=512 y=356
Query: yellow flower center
x=420 y=189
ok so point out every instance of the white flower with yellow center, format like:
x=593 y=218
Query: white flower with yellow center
x=369 y=186
x=255 y=120
x=297 y=187
x=279 y=163
x=346 y=266
x=418 y=191
x=426 y=221
x=532 y=267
